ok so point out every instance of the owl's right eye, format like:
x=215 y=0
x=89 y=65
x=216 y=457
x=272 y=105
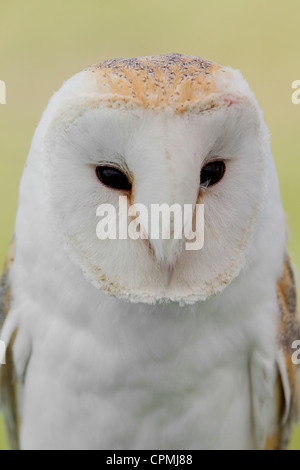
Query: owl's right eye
x=113 y=178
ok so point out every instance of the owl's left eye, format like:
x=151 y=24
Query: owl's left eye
x=212 y=173
x=113 y=178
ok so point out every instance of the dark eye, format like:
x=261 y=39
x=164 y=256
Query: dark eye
x=212 y=173
x=113 y=178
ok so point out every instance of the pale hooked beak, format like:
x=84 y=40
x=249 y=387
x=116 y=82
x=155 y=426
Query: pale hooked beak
x=166 y=253
x=168 y=272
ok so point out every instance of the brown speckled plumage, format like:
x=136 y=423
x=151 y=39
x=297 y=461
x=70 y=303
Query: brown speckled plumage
x=287 y=333
x=286 y=294
x=4 y=285
x=157 y=82
x=8 y=380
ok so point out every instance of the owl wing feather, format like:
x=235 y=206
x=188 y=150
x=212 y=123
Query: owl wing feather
x=8 y=379
x=287 y=386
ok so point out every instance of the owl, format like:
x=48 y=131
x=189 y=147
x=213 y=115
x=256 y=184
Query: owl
x=139 y=343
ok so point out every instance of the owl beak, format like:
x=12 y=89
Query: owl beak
x=168 y=272
x=166 y=253
x=164 y=250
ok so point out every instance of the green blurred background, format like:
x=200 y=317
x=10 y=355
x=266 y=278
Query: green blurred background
x=42 y=43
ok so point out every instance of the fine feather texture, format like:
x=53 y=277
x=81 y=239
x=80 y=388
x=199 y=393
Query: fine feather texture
x=192 y=363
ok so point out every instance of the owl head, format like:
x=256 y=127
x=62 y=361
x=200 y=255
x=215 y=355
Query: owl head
x=168 y=129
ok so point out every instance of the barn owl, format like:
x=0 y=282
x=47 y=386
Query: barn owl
x=140 y=343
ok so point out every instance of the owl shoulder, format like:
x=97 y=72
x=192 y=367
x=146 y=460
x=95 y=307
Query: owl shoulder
x=287 y=388
x=8 y=380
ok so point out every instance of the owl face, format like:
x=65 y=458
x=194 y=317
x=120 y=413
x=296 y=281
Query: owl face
x=159 y=130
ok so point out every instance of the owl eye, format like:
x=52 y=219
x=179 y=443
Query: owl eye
x=113 y=178
x=212 y=173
